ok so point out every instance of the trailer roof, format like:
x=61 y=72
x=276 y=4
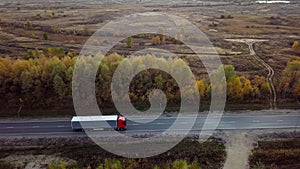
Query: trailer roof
x=94 y=118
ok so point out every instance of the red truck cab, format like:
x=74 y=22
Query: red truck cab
x=121 y=123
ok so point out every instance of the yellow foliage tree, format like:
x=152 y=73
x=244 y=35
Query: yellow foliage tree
x=237 y=89
x=248 y=89
x=201 y=87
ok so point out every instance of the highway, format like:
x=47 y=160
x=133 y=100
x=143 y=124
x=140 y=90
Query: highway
x=228 y=122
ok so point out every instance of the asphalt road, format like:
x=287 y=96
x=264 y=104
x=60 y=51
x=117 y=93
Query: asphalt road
x=234 y=122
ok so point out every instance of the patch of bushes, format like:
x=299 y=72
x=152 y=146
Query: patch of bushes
x=6 y=165
x=276 y=154
x=188 y=154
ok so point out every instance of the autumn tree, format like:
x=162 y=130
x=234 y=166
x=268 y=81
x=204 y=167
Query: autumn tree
x=156 y=40
x=247 y=89
x=201 y=88
x=291 y=76
x=265 y=90
x=237 y=89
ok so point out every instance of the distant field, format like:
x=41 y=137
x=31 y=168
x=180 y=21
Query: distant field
x=26 y=27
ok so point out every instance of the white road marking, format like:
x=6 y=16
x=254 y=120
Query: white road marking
x=36 y=126
x=9 y=127
x=255 y=121
x=60 y=126
x=183 y=122
x=159 y=123
x=280 y=120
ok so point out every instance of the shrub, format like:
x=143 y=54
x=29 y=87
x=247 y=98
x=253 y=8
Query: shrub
x=180 y=164
x=195 y=164
x=129 y=42
x=112 y=164
x=28 y=24
x=58 y=165
x=156 y=40
x=259 y=165
x=45 y=36
x=6 y=165
x=296 y=46
x=156 y=167
x=86 y=31
x=33 y=36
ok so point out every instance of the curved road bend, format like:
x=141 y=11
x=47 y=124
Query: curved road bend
x=240 y=122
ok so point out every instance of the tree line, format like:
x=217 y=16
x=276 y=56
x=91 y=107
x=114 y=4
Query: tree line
x=44 y=79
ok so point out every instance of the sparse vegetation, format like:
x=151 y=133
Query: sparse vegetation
x=129 y=42
x=6 y=165
x=259 y=165
x=86 y=31
x=33 y=36
x=28 y=24
x=188 y=154
x=283 y=153
x=45 y=36
x=156 y=40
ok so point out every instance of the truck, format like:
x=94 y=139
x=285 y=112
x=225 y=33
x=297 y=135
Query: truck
x=79 y=123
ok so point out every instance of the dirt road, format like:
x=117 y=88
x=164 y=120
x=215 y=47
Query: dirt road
x=250 y=43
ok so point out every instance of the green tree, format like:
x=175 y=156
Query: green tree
x=230 y=73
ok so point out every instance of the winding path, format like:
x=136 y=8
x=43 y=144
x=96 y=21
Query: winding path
x=269 y=77
x=250 y=42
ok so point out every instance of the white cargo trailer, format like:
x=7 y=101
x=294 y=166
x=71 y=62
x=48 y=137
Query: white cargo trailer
x=98 y=122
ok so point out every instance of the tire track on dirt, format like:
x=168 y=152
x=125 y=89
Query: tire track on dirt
x=273 y=96
x=271 y=72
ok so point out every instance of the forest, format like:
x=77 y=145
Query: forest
x=43 y=79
